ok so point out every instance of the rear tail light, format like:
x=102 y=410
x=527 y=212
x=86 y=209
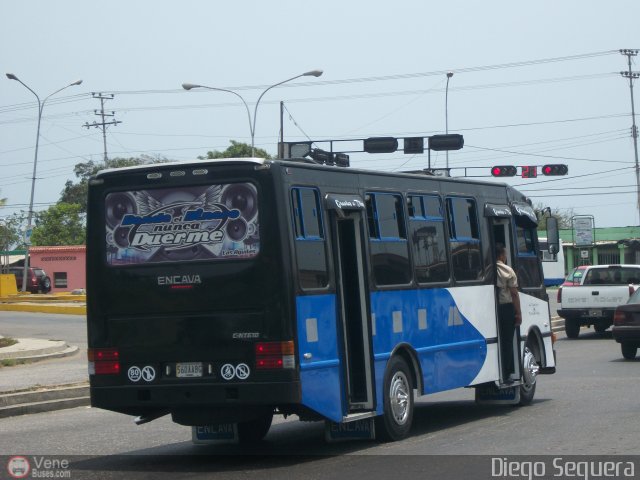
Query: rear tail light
x=103 y=361
x=275 y=355
x=619 y=317
x=632 y=289
x=559 y=297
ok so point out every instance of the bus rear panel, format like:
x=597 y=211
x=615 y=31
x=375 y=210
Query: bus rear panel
x=187 y=311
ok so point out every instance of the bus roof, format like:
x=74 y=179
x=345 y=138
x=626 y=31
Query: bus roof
x=253 y=160
x=305 y=163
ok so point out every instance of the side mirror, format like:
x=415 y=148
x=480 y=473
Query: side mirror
x=553 y=235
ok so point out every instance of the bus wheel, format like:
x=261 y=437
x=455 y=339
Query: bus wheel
x=254 y=430
x=572 y=327
x=530 y=369
x=395 y=422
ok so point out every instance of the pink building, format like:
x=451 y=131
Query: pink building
x=66 y=266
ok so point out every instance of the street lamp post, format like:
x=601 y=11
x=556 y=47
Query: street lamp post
x=446 y=111
x=252 y=123
x=11 y=76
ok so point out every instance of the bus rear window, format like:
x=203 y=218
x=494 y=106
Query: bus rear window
x=181 y=224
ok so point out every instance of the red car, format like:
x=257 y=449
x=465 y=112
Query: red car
x=575 y=276
x=626 y=326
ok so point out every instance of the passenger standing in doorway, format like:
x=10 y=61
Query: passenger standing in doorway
x=509 y=313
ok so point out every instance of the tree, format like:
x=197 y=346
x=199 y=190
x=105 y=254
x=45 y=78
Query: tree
x=60 y=224
x=563 y=216
x=76 y=193
x=236 y=150
x=10 y=232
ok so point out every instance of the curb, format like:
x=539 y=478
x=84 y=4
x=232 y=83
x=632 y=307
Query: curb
x=28 y=350
x=44 y=400
x=40 y=308
x=68 y=351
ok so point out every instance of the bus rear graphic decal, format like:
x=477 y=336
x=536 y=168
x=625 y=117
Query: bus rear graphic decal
x=182 y=224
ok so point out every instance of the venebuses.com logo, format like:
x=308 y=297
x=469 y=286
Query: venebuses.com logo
x=20 y=466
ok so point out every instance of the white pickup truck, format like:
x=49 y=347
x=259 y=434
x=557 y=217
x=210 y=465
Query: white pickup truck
x=593 y=299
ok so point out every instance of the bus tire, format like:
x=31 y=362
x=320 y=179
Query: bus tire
x=395 y=421
x=572 y=327
x=530 y=369
x=253 y=431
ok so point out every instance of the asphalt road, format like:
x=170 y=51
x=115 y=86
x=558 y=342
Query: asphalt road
x=70 y=328
x=589 y=407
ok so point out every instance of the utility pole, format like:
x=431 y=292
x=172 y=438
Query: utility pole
x=631 y=75
x=103 y=124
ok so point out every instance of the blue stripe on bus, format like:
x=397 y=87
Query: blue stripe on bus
x=450 y=350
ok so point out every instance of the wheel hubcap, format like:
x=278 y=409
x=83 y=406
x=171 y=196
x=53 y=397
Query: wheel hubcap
x=531 y=369
x=399 y=398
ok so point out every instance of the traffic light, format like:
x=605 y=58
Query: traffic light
x=555 y=169
x=380 y=145
x=503 y=171
x=414 y=145
x=529 y=171
x=451 y=141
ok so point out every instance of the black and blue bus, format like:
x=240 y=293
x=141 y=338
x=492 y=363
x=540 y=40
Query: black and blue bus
x=223 y=292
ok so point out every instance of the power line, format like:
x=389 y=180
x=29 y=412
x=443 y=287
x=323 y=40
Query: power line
x=21 y=106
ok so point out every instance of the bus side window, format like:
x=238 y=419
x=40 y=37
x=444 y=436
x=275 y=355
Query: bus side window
x=464 y=238
x=427 y=240
x=388 y=239
x=310 y=239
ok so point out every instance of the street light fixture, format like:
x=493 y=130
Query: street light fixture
x=11 y=76
x=252 y=123
x=446 y=110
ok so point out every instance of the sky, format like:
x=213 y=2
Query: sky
x=533 y=83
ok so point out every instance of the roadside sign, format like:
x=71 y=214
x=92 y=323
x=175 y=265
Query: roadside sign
x=27 y=235
x=583 y=231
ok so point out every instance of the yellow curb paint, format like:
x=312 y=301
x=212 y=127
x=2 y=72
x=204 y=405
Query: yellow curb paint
x=65 y=310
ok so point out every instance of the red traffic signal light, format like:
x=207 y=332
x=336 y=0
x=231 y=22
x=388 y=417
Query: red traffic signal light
x=503 y=171
x=555 y=169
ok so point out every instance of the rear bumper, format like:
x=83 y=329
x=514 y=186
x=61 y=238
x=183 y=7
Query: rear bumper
x=585 y=314
x=142 y=399
x=622 y=334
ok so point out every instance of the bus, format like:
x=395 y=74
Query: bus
x=552 y=264
x=224 y=292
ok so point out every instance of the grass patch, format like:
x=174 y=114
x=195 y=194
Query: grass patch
x=11 y=362
x=7 y=341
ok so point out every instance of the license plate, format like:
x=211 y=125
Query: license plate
x=189 y=369
x=595 y=313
